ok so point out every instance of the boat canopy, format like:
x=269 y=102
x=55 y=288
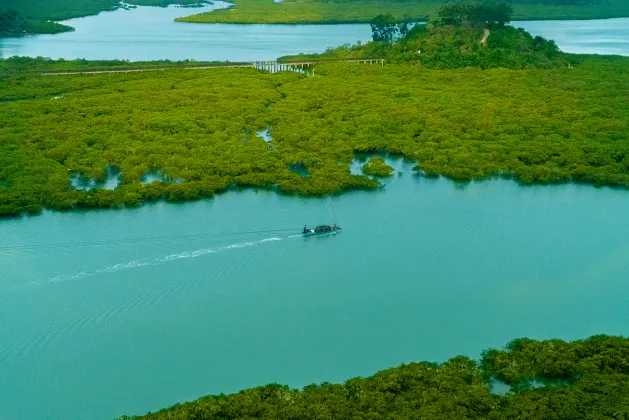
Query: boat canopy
x=323 y=228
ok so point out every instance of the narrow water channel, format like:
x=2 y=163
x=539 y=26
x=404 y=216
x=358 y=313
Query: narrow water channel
x=123 y=311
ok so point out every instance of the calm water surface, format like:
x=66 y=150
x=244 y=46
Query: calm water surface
x=134 y=310
x=149 y=33
x=604 y=36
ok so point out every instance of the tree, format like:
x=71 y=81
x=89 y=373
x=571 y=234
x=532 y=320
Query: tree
x=488 y=14
x=494 y=15
x=11 y=22
x=457 y=13
x=384 y=28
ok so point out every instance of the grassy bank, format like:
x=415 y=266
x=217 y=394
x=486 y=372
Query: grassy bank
x=538 y=126
x=301 y=12
x=363 y=11
x=550 y=379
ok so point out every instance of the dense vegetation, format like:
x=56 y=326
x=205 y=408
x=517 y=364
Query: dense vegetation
x=595 y=374
x=354 y=11
x=377 y=167
x=13 y=24
x=34 y=16
x=538 y=126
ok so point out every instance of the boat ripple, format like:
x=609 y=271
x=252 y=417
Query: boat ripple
x=156 y=261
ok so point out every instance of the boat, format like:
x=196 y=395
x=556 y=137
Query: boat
x=321 y=230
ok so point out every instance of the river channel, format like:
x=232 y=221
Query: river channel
x=123 y=311
x=150 y=33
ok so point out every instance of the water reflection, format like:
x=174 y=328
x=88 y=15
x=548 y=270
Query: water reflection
x=400 y=165
x=265 y=134
x=498 y=387
x=110 y=182
x=157 y=175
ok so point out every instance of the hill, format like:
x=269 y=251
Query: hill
x=466 y=34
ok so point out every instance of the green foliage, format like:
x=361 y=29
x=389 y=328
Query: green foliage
x=487 y=13
x=377 y=167
x=363 y=11
x=385 y=28
x=458 y=47
x=456 y=389
x=525 y=359
x=538 y=126
x=13 y=24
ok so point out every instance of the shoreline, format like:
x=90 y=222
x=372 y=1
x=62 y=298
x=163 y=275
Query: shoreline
x=220 y=16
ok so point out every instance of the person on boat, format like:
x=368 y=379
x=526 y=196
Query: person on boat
x=305 y=229
x=334 y=227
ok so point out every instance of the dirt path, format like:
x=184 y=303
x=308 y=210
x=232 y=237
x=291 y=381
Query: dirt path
x=486 y=34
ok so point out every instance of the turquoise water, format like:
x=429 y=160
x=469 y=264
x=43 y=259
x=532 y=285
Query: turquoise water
x=112 y=312
x=149 y=33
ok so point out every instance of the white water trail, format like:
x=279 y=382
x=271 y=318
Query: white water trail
x=156 y=261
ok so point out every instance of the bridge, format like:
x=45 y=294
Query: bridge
x=274 y=66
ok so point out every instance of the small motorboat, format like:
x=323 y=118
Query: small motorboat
x=321 y=230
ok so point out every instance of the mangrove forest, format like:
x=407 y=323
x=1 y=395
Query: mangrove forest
x=551 y=379
x=541 y=125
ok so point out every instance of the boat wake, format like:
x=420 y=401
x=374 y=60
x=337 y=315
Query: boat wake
x=157 y=261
